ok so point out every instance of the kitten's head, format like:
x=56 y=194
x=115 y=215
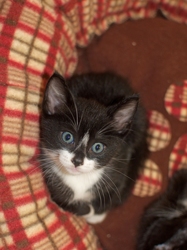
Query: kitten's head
x=80 y=135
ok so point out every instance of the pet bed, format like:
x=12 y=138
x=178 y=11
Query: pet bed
x=38 y=37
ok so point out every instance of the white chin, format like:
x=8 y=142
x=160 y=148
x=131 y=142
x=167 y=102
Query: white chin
x=73 y=171
x=77 y=171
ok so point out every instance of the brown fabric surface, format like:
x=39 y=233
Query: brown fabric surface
x=152 y=53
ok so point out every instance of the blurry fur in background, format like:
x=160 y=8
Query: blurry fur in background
x=164 y=224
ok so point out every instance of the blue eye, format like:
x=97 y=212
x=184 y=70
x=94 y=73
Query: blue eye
x=97 y=147
x=67 y=137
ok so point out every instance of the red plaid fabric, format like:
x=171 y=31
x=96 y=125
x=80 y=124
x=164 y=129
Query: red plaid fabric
x=150 y=180
x=159 y=133
x=176 y=100
x=178 y=157
x=37 y=37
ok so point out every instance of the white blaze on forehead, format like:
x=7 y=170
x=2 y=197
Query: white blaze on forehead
x=85 y=139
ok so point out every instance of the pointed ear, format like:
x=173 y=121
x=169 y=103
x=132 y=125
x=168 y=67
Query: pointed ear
x=124 y=113
x=56 y=94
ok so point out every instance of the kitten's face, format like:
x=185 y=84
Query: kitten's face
x=79 y=135
x=83 y=148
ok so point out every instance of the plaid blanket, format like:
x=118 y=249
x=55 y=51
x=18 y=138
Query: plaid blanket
x=36 y=37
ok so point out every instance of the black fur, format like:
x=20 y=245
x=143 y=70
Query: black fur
x=164 y=224
x=99 y=99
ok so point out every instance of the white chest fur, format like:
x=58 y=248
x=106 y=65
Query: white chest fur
x=82 y=184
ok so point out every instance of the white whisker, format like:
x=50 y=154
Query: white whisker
x=115 y=170
x=75 y=105
x=105 y=185
x=115 y=189
x=81 y=118
x=98 y=187
x=120 y=160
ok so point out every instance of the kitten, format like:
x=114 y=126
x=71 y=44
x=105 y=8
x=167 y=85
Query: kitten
x=93 y=140
x=164 y=224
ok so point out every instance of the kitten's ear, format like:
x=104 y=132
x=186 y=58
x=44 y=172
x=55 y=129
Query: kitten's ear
x=124 y=113
x=56 y=94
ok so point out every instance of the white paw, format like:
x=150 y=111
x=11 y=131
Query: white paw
x=94 y=218
x=97 y=218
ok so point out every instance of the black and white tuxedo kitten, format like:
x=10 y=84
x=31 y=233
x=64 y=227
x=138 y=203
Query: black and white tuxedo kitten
x=164 y=224
x=93 y=140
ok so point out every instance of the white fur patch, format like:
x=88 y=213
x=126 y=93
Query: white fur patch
x=82 y=184
x=94 y=218
x=80 y=179
x=184 y=203
x=65 y=158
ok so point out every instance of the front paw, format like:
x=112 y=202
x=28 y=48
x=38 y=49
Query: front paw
x=97 y=218
x=82 y=209
x=93 y=218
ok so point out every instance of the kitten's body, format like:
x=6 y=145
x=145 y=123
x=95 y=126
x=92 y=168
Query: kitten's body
x=98 y=112
x=164 y=224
